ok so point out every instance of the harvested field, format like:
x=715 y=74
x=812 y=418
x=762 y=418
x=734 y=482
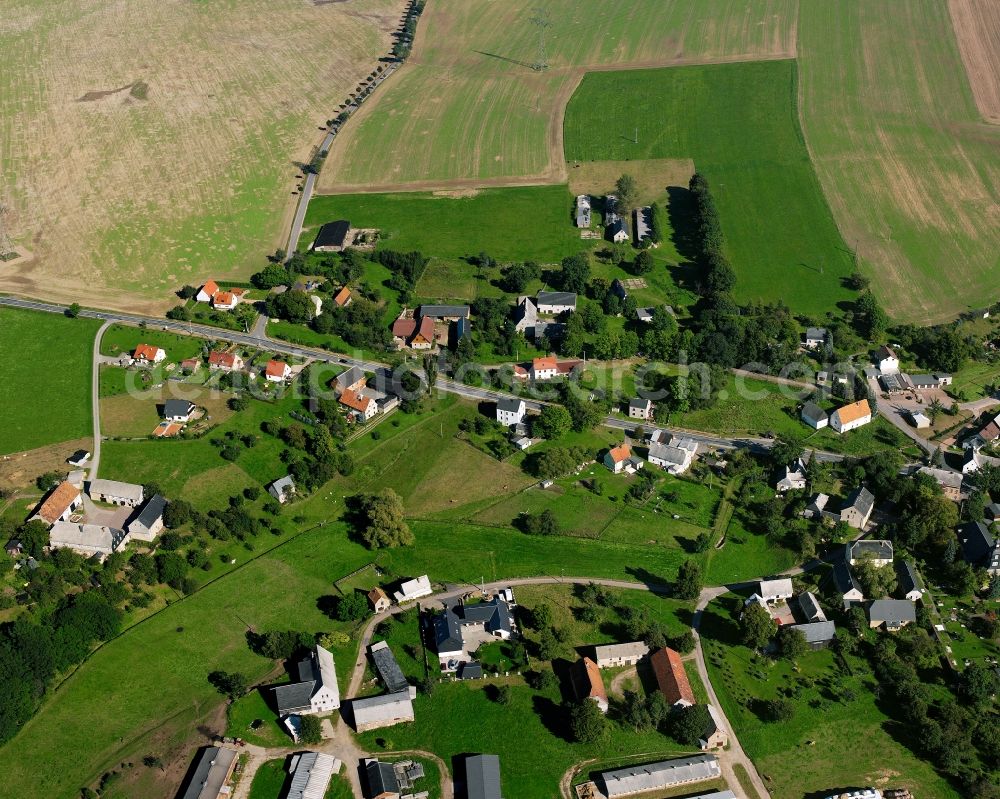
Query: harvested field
x=653 y=176
x=910 y=171
x=468 y=108
x=977 y=28
x=21 y=468
x=145 y=144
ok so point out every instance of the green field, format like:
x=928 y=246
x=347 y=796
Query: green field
x=909 y=168
x=468 y=104
x=45 y=357
x=520 y=224
x=739 y=123
x=834 y=711
x=125 y=338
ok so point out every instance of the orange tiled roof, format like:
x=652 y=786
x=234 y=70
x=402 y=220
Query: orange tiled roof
x=342 y=296
x=548 y=362
x=56 y=503
x=211 y=288
x=224 y=298
x=276 y=368
x=354 y=400
x=671 y=677
x=145 y=352
x=596 y=682
x=620 y=453
x=854 y=411
x=218 y=358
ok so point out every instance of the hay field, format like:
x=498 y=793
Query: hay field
x=909 y=168
x=977 y=28
x=149 y=143
x=468 y=106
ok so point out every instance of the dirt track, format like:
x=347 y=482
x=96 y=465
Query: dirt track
x=977 y=28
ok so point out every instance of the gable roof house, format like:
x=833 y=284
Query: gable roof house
x=149 y=521
x=451 y=313
x=544 y=368
x=380 y=780
x=672 y=453
x=815 y=337
x=343 y=297
x=775 y=590
x=818 y=634
x=617 y=457
x=311 y=773
x=211 y=773
x=352 y=380
x=413 y=589
x=588 y=683
x=87 y=539
x=910 y=584
x=583 y=211
x=423 y=334
x=794 y=479
x=388 y=669
x=892 y=614
x=225 y=300
x=224 y=361
x=116 y=492
x=878 y=552
x=807 y=607
x=360 y=407
x=715 y=735
x=858 y=508
x=640 y=408
x=379 y=600
x=146 y=354
x=845 y=584
x=979 y=547
x=277 y=371
x=510 y=410
x=482 y=777
x=206 y=292
x=384 y=710
x=950 y=482
x=316 y=690
x=525 y=315
x=332 y=236
x=555 y=302
x=671 y=678
x=888 y=361
x=851 y=417
x=643 y=218
x=59 y=504
x=610 y=656
x=817 y=507
x=403 y=329
x=178 y=410
x=814 y=416
x=282 y=489
x=618 y=230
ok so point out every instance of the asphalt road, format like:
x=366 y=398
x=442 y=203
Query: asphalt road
x=258 y=339
x=95 y=402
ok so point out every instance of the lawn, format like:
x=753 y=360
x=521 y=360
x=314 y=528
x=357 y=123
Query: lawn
x=834 y=710
x=45 y=357
x=269 y=780
x=739 y=123
x=906 y=163
x=447 y=279
x=125 y=338
x=499 y=118
x=464 y=225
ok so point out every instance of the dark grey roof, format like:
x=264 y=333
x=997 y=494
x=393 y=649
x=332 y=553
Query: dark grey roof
x=979 y=547
x=817 y=632
x=209 y=773
x=151 y=511
x=809 y=607
x=862 y=500
x=923 y=381
x=380 y=778
x=448 y=631
x=843 y=579
x=444 y=310
x=878 y=549
x=388 y=669
x=294 y=697
x=618 y=226
x=892 y=611
x=813 y=412
x=332 y=234
x=470 y=670
x=993 y=510
x=494 y=615
x=638 y=403
x=556 y=298
x=510 y=404
x=482 y=777
x=177 y=407
x=350 y=377
x=909 y=579
x=816 y=333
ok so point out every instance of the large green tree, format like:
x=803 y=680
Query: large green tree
x=381 y=520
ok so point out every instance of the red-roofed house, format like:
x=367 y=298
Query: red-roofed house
x=277 y=371
x=191 y=364
x=209 y=290
x=360 y=407
x=225 y=301
x=60 y=504
x=589 y=684
x=403 y=329
x=226 y=361
x=147 y=354
x=423 y=337
x=618 y=457
x=544 y=368
x=671 y=677
x=343 y=297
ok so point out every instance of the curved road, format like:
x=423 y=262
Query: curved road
x=95 y=401
x=258 y=339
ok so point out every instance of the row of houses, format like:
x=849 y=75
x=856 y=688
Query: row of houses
x=429 y=325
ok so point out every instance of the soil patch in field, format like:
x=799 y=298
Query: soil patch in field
x=977 y=28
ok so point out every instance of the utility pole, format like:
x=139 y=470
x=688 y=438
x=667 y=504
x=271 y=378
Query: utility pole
x=541 y=20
